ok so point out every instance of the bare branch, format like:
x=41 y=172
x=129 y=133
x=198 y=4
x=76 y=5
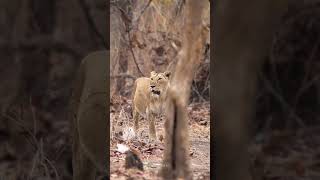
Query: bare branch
x=128 y=24
x=133 y=55
x=283 y=102
x=141 y=13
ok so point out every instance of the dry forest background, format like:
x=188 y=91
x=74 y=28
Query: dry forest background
x=146 y=35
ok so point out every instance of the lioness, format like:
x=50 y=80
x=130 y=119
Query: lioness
x=89 y=117
x=149 y=95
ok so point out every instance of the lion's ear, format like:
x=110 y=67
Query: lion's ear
x=153 y=73
x=167 y=74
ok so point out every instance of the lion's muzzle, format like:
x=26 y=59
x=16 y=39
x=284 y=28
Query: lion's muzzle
x=155 y=92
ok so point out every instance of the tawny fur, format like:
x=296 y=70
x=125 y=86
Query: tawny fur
x=89 y=119
x=149 y=95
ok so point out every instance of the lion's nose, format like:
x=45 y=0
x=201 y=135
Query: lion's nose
x=152 y=86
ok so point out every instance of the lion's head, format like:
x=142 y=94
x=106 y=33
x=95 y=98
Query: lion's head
x=159 y=83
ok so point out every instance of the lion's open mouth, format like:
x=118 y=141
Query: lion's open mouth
x=155 y=92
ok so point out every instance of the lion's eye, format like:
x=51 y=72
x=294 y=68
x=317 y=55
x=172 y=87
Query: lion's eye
x=151 y=79
x=160 y=78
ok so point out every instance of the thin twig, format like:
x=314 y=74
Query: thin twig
x=141 y=13
x=306 y=87
x=52 y=167
x=195 y=89
x=33 y=116
x=34 y=162
x=34 y=142
x=282 y=101
x=309 y=66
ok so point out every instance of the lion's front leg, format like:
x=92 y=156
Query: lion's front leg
x=152 y=127
x=84 y=169
x=82 y=166
x=136 y=120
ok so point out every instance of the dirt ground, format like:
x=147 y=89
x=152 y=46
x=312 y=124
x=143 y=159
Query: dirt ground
x=151 y=155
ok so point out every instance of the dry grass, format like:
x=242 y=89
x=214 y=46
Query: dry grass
x=151 y=155
x=32 y=156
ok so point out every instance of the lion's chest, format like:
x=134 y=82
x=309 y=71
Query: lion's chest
x=156 y=107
